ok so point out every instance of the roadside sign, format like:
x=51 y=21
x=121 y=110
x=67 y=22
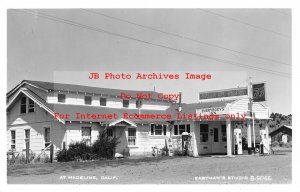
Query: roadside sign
x=259 y=93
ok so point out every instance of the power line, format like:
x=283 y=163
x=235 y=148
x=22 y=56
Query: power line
x=248 y=24
x=69 y=22
x=185 y=37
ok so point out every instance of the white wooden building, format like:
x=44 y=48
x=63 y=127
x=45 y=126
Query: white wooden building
x=31 y=107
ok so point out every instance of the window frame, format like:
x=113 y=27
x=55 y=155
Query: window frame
x=47 y=143
x=187 y=128
x=13 y=141
x=154 y=127
x=85 y=100
x=101 y=98
x=124 y=104
x=64 y=99
x=23 y=104
x=222 y=133
x=31 y=107
x=204 y=132
x=89 y=139
x=138 y=103
x=109 y=132
x=130 y=137
x=25 y=138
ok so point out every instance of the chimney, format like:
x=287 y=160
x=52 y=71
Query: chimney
x=180 y=104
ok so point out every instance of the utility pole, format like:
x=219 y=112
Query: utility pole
x=252 y=115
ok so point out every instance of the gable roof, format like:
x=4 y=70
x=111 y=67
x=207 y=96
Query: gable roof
x=38 y=100
x=50 y=86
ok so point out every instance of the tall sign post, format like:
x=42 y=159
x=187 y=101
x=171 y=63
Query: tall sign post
x=250 y=107
x=257 y=94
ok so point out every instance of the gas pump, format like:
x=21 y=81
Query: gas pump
x=264 y=143
x=185 y=143
x=238 y=147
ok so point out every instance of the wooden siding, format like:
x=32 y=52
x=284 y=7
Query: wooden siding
x=241 y=106
x=36 y=122
x=78 y=99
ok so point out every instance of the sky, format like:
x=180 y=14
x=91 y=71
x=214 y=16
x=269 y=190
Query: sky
x=143 y=40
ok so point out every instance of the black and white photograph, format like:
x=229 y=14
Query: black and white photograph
x=163 y=96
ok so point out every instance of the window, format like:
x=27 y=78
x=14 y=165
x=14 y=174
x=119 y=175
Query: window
x=179 y=129
x=13 y=140
x=216 y=134
x=131 y=136
x=87 y=100
x=138 y=103
x=47 y=137
x=109 y=132
x=27 y=102
x=27 y=137
x=224 y=136
x=125 y=103
x=102 y=101
x=23 y=104
x=86 y=134
x=203 y=132
x=158 y=129
x=30 y=106
x=61 y=98
x=175 y=129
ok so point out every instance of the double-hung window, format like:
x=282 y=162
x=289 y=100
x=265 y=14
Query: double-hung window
x=27 y=137
x=179 y=129
x=13 y=140
x=109 y=132
x=158 y=129
x=47 y=137
x=86 y=133
x=132 y=136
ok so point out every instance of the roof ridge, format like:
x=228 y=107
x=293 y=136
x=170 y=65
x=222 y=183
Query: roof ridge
x=68 y=84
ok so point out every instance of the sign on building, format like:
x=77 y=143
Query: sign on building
x=212 y=110
x=259 y=93
x=224 y=93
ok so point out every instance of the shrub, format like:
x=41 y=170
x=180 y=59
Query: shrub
x=64 y=156
x=79 y=150
x=104 y=146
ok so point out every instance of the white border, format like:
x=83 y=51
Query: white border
x=151 y=4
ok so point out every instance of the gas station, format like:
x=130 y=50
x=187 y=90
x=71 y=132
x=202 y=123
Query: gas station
x=224 y=136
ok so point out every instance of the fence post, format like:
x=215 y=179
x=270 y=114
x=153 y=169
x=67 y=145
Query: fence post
x=27 y=152
x=51 y=153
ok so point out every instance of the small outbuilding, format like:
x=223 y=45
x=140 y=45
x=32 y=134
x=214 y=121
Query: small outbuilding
x=283 y=133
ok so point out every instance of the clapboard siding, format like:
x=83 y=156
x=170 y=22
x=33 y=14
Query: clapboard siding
x=78 y=99
x=241 y=106
x=36 y=122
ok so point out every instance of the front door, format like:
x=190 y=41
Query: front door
x=215 y=139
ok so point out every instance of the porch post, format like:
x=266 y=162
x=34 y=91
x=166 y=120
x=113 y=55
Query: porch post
x=195 y=149
x=229 y=137
x=249 y=136
x=267 y=135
